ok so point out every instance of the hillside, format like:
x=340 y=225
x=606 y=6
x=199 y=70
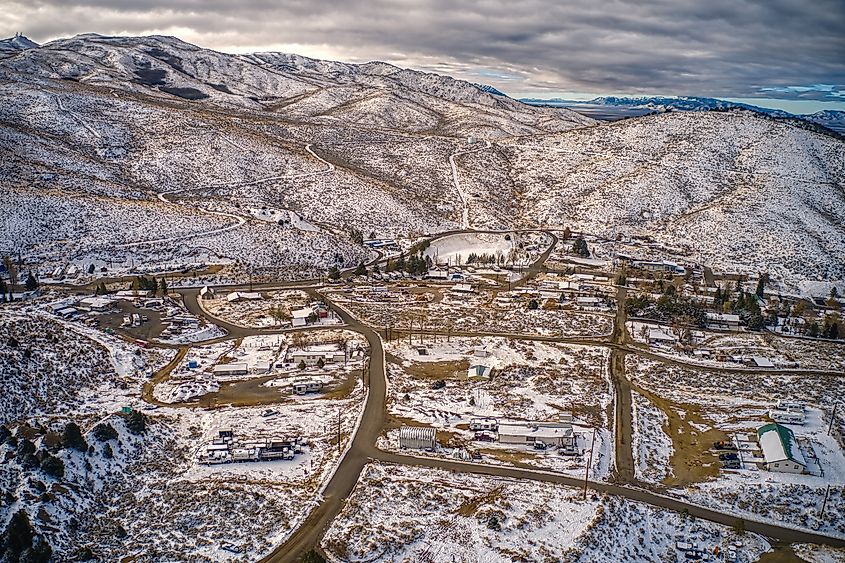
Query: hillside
x=181 y=147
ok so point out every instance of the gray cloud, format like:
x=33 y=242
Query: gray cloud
x=723 y=48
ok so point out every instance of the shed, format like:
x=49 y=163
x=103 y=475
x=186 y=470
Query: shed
x=479 y=370
x=417 y=437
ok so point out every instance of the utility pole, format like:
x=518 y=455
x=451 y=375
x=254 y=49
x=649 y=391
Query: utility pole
x=589 y=463
x=824 y=503
x=832 y=418
x=338 y=430
x=410 y=330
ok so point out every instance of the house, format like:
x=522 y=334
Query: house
x=231 y=369
x=301 y=387
x=586 y=302
x=300 y=316
x=762 y=362
x=479 y=370
x=207 y=292
x=417 y=438
x=654 y=266
x=95 y=303
x=236 y=296
x=133 y=293
x=67 y=312
x=261 y=367
x=311 y=357
x=660 y=336
x=556 y=434
x=787 y=416
x=722 y=321
x=780 y=449
x=441 y=275
x=481 y=353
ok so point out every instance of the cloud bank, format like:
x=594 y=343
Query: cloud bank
x=789 y=49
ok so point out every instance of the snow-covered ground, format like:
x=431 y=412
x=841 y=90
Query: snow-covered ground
x=413 y=514
x=651 y=446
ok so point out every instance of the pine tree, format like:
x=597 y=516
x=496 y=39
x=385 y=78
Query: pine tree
x=163 y=285
x=361 y=270
x=31 y=284
x=334 y=273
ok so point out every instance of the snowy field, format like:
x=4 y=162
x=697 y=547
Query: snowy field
x=485 y=519
x=477 y=313
x=717 y=407
x=530 y=381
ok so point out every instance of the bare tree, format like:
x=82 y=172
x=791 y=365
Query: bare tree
x=13 y=274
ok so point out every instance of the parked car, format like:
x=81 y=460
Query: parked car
x=724 y=445
x=539 y=445
x=728 y=457
x=732 y=464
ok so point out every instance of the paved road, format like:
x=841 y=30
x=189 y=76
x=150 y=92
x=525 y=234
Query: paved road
x=308 y=535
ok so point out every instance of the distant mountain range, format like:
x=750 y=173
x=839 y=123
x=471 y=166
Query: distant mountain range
x=612 y=108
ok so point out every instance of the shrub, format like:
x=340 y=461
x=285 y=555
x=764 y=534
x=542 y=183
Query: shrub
x=72 y=437
x=53 y=466
x=104 y=432
x=137 y=422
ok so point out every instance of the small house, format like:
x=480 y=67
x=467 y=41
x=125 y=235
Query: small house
x=463 y=288
x=300 y=316
x=417 y=438
x=207 y=292
x=479 y=370
x=659 y=335
x=722 y=321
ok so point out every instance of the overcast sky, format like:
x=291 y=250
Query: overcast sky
x=789 y=53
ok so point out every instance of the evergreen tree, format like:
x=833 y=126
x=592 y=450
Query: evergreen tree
x=334 y=273
x=813 y=329
x=834 y=293
x=91 y=269
x=301 y=365
x=72 y=437
x=31 y=283
x=4 y=290
x=579 y=247
x=761 y=285
x=163 y=285
x=361 y=270
x=320 y=363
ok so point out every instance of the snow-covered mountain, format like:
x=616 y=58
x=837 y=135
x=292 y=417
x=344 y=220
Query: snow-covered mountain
x=373 y=94
x=16 y=44
x=179 y=146
x=616 y=107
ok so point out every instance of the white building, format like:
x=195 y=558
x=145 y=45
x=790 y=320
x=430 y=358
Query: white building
x=300 y=316
x=417 y=437
x=311 y=357
x=722 y=321
x=231 y=369
x=780 y=449
x=243 y=296
x=207 y=292
x=481 y=424
x=660 y=336
x=479 y=370
x=462 y=288
x=549 y=433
